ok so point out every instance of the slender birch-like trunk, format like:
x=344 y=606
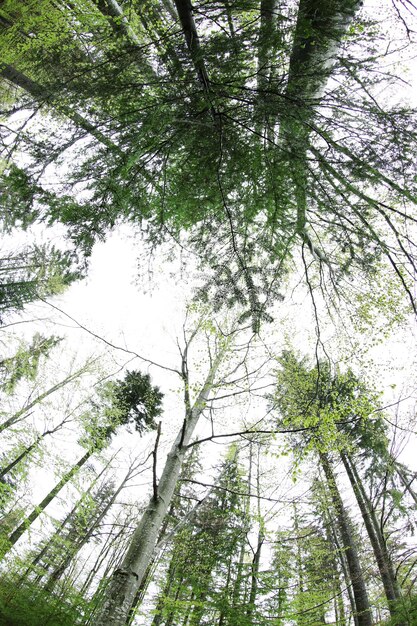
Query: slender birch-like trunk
x=76 y=547
x=38 y=509
x=20 y=415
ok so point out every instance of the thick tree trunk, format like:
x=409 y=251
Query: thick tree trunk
x=363 y=608
x=319 y=31
x=386 y=570
x=28 y=521
x=121 y=590
x=121 y=27
x=185 y=14
x=320 y=27
x=118 y=21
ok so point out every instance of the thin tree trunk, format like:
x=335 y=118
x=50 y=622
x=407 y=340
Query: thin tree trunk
x=73 y=551
x=62 y=525
x=254 y=576
x=42 y=95
x=28 y=521
x=339 y=607
x=126 y=579
x=237 y=587
x=405 y=481
x=260 y=540
x=363 y=608
x=16 y=417
x=345 y=571
x=8 y=468
x=222 y=615
x=166 y=590
x=29 y=449
x=101 y=557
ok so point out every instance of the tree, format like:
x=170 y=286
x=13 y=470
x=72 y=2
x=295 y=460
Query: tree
x=121 y=588
x=24 y=363
x=196 y=586
x=34 y=273
x=339 y=406
x=30 y=403
x=304 y=399
x=288 y=102
x=131 y=400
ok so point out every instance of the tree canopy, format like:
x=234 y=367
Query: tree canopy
x=255 y=133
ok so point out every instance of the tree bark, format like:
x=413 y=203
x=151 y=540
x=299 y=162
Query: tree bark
x=344 y=568
x=363 y=608
x=386 y=570
x=28 y=521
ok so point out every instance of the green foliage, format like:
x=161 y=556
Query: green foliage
x=26 y=604
x=137 y=401
x=405 y=612
x=333 y=408
x=36 y=272
x=25 y=363
x=203 y=549
x=131 y=401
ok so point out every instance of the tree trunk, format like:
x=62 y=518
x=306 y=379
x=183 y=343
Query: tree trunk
x=166 y=590
x=386 y=570
x=254 y=577
x=260 y=540
x=29 y=449
x=343 y=565
x=42 y=95
x=62 y=525
x=237 y=587
x=405 y=481
x=109 y=545
x=17 y=416
x=28 y=521
x=363 y=608
x=126 y=579
x=22 y=455
x=73 y=551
